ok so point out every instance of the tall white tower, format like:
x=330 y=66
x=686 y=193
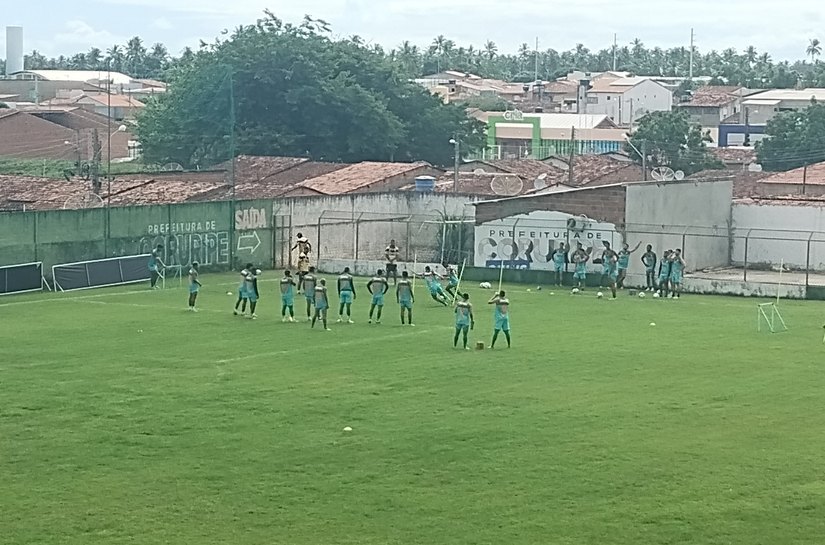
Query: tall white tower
x=14 y=49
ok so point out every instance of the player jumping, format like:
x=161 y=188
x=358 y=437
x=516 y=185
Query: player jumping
x=346 y=295
x=464 y=321
x=156 y=265
x=405 y=297
x=433 y=282
x=302 y=244
x=502 y=317
x=194 y=286
x=452 y=281
x=377 y=287
x=287 y=297
x=321 y=303
x=309 y=291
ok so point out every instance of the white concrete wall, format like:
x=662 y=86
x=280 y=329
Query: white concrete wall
x=690 y=215
x=648 y=96
x=337 y=220
x=779 y=233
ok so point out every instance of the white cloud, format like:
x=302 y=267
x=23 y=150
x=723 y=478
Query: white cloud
x=162 y=23
x=80 y=34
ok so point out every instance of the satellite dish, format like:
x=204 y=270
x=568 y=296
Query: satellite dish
x=479 y=171
x=754 y=167
x=507 y=185
x=679 y=175
x=540 y=182
x=83 y=200
x=662 y=174
x=173 y=167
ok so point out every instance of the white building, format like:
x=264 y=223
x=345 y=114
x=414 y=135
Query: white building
x=626 y=100
x=761 y=107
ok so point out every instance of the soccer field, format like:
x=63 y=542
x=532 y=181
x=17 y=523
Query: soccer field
x=126 y=419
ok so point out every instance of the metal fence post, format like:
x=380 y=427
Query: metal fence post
x=808 y=261
x=745 y=263
x=318 y=254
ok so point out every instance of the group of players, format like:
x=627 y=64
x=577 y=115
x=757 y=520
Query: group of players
x=667 y=283
x=316 y=293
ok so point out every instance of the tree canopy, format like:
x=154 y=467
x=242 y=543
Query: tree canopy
x=670 y=139
x=293 y=90
x=793 y=139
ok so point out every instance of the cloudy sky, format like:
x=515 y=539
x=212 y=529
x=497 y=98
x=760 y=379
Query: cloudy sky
x=56 y=27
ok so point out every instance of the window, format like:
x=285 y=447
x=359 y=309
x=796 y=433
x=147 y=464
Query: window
x=608 y=97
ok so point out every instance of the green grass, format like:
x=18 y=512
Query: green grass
x=124 y=419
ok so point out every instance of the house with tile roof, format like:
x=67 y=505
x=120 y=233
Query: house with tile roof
x=626 y=100
x=364 y=177
x=709 y=105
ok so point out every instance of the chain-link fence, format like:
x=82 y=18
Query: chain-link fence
x=364 y=236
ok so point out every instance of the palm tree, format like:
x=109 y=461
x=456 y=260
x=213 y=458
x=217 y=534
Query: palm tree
x=93 y=58
x=115 y=58
x=814 y=49
x=751 y=54
x=135 y=56
x=490 y=49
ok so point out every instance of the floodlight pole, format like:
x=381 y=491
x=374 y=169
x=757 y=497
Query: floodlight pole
x=456 y=155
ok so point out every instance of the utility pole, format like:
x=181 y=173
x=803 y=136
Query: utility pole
x=690 y=69
x=536 y=79
x=95 y=170
x=570 y=177
x=644 y=159
x=615 y=51
x=456 y=155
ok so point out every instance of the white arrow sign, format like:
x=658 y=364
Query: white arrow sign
x=249 y=242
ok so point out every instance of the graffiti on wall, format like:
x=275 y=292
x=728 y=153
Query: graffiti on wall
x=528 y=241
x=185 y=242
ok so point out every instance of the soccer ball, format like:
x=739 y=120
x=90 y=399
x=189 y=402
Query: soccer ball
x=656 y=295
x=575 y=291
x=642 y=295
x=485 y=285
x=257 y=272
x=600 y=295
x=229 y=293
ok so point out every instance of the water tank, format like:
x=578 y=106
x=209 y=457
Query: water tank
x=14 y=49
x=425 y=184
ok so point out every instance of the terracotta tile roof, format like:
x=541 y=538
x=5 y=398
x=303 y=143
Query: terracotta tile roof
x=734 y=156
x=593 y=170
x=471 y=183
x=279 y=183
x=358 y=176
x=48 y=193
x=813 y=174
x=251 y=168
x=560 y=87
x=712 y=95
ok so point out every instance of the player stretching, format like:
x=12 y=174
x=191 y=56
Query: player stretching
x=464 y=320
x=559 y=261
x=287 y=297
x=434 y=286
x=664 y=273
x=303 y=270
x=391 y=253
x=155 y=266
x=677 y=269
x=346 y=295
x=452 y=281
x=624 y=262
x=309 y=291
x=194 y=286
x=242 y=297
x=580 y=258
x=502 y=317
x=649 y=261
x=404 y=296
x=321 y=304
x=612 y=273
x=377 y=287
x=607 y=255
x=252 y=292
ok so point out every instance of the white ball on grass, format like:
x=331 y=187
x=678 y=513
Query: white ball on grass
x=600 y=295
x=347 y=429
x=538 y=288
x=575 y=291
x=656 y=295
x=529 y=290
x=229 y=293
x=652 y=324
x=642 y=295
